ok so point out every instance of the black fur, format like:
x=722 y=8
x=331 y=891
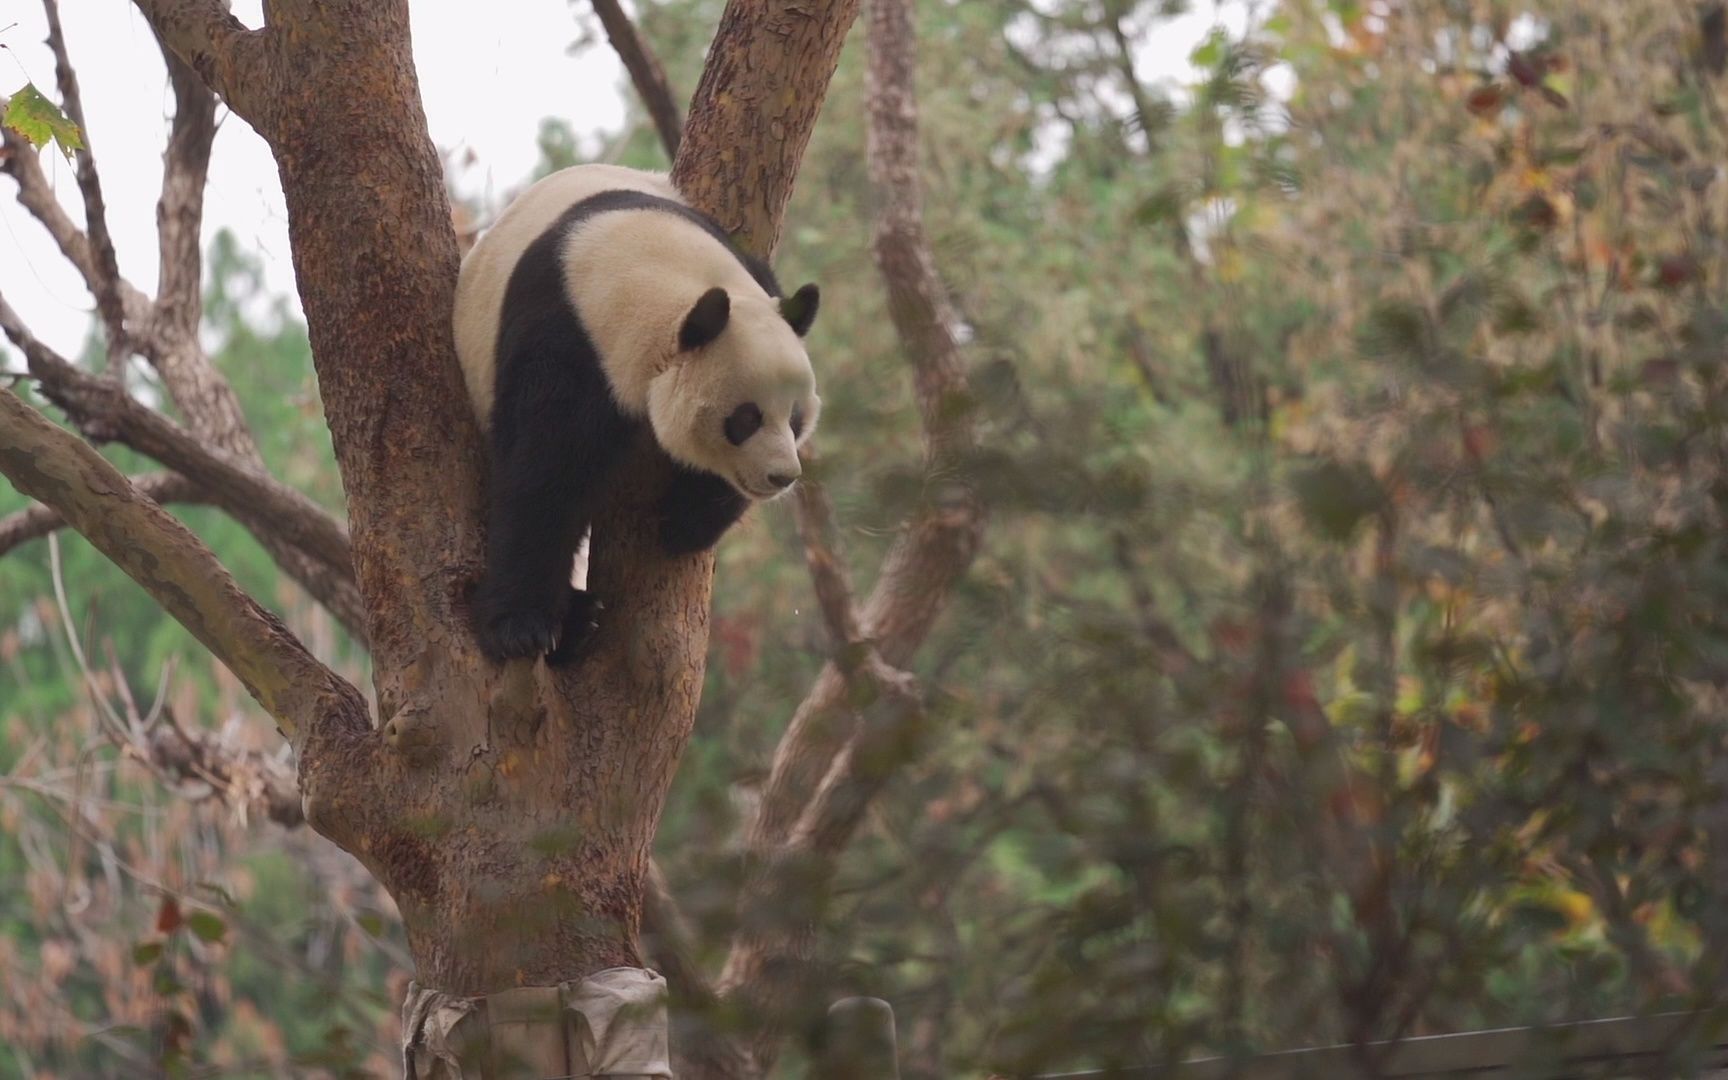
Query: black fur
x=556 y=436
x=800 y=308
x=696 y=511
x=706 y=321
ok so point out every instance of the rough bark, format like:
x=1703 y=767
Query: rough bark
x=35 y=522
x=766 y=75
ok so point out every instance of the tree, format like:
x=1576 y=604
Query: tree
x=508 y=810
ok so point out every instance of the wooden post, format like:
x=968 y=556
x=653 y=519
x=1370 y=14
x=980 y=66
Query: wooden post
x=858 y=1042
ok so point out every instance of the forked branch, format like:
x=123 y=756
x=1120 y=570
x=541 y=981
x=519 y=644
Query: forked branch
x=307 y=542
x=60 y=470
x=20 y=161
x=231 y=59
x=848 y=736
x=935 y=548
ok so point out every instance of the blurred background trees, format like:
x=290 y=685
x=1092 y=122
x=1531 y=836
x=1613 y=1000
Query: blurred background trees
x=1346 y=660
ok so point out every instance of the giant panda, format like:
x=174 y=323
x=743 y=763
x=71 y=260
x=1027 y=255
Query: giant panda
x=599 y=302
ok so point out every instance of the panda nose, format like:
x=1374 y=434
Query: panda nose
x=782 y=480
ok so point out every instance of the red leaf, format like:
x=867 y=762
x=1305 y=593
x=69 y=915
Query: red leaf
x=168 y=916
x=1485 y=100
x=1672 y=271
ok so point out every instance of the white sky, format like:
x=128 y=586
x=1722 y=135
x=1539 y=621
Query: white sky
x=487 y=79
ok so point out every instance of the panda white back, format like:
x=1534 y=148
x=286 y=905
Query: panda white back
x=487 y=267
x=632 y=276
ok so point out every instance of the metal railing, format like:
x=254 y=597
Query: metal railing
x=860 y=1045
x=1668 y=1044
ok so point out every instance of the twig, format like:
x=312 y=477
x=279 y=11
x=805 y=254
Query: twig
x=21 y=161
x=106 y=268
x=645 y=71
x=815 y=514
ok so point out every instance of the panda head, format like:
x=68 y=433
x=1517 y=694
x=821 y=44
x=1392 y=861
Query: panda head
x=739 y=397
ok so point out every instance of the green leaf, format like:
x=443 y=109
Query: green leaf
x=1396 y=330
x=38 y=120
x=164 y=982
x=1209 y=52
x=208 y=926
x=146 y=952
x=1336 y=497
x=1164 y=206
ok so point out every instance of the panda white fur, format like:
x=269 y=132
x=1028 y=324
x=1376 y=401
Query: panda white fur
x=598 y=302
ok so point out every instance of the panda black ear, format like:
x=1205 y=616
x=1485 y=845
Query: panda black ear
x=705 y=320
x=799 y=309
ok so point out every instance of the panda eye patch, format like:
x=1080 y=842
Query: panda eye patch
x=744 y=422
x=797 y=423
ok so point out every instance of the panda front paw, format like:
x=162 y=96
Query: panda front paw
x=512 y=635
x=581 y=621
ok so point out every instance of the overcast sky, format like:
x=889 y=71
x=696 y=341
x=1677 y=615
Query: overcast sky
x=486 y=84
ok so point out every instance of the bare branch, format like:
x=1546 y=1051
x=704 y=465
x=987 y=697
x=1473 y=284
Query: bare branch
x=307 y=542
x=862 y=767
x=936 y=547
x=35 y=522
x=102 y=405
x=827 y=565
x=19 y=160
x=59 y=469
x=645 y=72
x=180 y=210
x=106 y=269
x=768 y=971
x=838 y=751
x=171 y=345
x=231 y=59
x=198 y=764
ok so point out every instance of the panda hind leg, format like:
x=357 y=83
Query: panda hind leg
x=696 y=511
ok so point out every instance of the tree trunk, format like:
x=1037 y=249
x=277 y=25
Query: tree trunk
x=509 y=810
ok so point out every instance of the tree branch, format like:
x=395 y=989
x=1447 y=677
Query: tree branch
x=106 y=283
x=278 y=515
x=19 y=160
x=35 y=522
x=180 y=209
x=827 y=565
x=764 y=55
x=60 y=470
x=645 y=72
x=862 y=767
x=232 y=60
x=938 y=545
x=838 y=752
